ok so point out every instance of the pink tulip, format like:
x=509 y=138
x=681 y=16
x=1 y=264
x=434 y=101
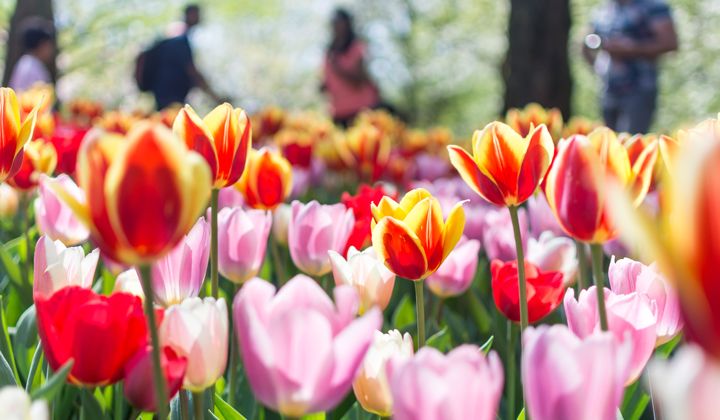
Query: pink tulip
x=457 y=272
x=630 y=318
x=242 y=239
x=541 y=217
x=197 y=329
x=56 y=266
x=498 y=235
x=372 y=281
x=628 y=276
x=554 y=253
x=180 y=274
x=230 y=197
x=686 y=386
x=464 y=384
x=315 y=229
x=138 y=379
x=567 y=377
x=54 y=218
x=300 y=351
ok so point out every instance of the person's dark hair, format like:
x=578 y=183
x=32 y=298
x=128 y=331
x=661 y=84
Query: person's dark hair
x=191 y=8
x=337 y=45
x=35 y=33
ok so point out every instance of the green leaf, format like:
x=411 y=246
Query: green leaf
x=521 y=416
x=441 y=340
x=225 y=410
x=6 y=374
x=10 y=266
x=90 y=405
x=404 y=315
x=314 y=416
x=485 y=348
x=24 y=340
x=339 y=412
x=33 y=367
x=54 y=384
x=5 y=346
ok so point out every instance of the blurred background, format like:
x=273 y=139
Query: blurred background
x=437 y=61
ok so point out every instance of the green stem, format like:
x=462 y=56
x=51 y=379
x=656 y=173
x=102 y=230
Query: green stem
x=198 y=398
x=582 y=281
x=25 y=225
x=521 y=267
x=277 y=262
x=597 y=265
x=233 y=361
x=439 y=311
x=184 y=405
x=158 y=377
x=214 y=241
x=420 y=308
x=117 y=401
x=511 y=370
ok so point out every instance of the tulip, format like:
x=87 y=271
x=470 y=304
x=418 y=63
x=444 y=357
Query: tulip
x=129 y=282
x=100 y=333
x=460 y=385
x=242 y=240
x=54 y=218
x=498 y=237
x=143 y=193
x=541 y=217
x=15 y=404
x=15 y=133
x=39 y=158
x=372 y=281
x=315 y=229
x=687 y=385
x=456 y=274
x=230 y=197
x=570 y=377
x=301 y=351
x=9 y=201
x=505 y=168
x=56 y=266
x=630 y=318
x=267 y=180
x=223 y=138
x=371 y=386
x=281 y=221
x=296 y=145
x=198 y=330
x=525 y=120
x=66 y=140
x=138 y=377
x=360 y=204
x=554 y=253
x=369 y=150
x=40 y=96
x=628 y=276
x=544 y=290
x=268 y=122
x=180 y=274
x=579 y=125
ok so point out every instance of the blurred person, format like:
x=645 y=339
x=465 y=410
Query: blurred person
x=168 y=70
x=628 y=38
x=38 y=42
x=346 y=81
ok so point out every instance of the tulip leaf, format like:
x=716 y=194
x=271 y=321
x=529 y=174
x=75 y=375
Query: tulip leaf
x=90 y=405
x=404 y=315
x=6 y=373
x=225 y=411
x=33 y=367
x=485 y=348
x=441 y=340
x=339 y=412
x=520 y=416
x=10 y=266
x=24 y=340
x=54 y=384
x=5 y=346
x=314 y=416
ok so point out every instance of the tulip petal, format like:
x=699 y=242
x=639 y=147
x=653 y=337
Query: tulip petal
x=471 y=174
x=453 y=230
x=189 y=127
x=425 y=220
x=539 y=153
x=400 y=248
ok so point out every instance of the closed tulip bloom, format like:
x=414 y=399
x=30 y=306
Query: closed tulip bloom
x=129 y=282
x=372 y=281
x=138 y=380
x=242 y=240
x=197 y=329
x=569 y=377
x=315 y=229
x=9 y=201
x=505 y=167
x=100 y=333
x=223 y=138
x=143 y=192
x=628 y=276
x=554 y=253
x=525 y=120
x=544 y=290
x=301 y=351
x=371 y=386
x=40 y=158
x=15 y=404
x=369 y=149
x=267 y=180
x=460 y=385
x=56 y=266
x=53 y=216
x=281 y=220
x=411 y=236
x=180 y=274
x=15 y=133
x=577 y=182
x=456 y=274
x=630 y=318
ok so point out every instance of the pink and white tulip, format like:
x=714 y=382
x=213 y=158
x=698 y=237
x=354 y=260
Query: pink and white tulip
x=372 y=281
x=457 y=272
x=242 y=240
x=56 y=266
x=554 y=253
x=54 y=218
x=301 y=351
x=315 y=229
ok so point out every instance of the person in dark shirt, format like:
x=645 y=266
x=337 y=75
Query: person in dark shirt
x=173 y=69
x=627 y=39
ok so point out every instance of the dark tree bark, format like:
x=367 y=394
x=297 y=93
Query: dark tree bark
x=23 y=10
x=536 y=67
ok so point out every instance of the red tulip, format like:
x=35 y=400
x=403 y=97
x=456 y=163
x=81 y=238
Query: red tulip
x=67 y=139
x=138 y=376
x=360 y=204
x=544 y=290
x=39 y=158
x=100 y=333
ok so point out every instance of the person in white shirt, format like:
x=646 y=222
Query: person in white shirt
x=32 y=67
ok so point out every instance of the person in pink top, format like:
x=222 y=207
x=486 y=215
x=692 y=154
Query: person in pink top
x=39 y=51
x=346 y=82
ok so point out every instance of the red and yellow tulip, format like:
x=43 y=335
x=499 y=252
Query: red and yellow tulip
x=40 y=158
x=39 y=97
x=15 y=133
x=533 y=115
x=223 y=138
x=505 y=168
x=143 y=192
x=267 y=180
x=411 y=236
x=369 y=150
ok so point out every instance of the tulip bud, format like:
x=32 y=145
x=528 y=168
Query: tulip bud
x=138 y=380
x=9 y=201
x=281 y=220
x=242 y=240
x=54 y=217
x=371 y=279
x=267 y=180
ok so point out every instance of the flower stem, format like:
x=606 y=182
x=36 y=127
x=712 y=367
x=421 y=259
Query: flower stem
x=597 y=265
x=277 y=262
x=214 y=241
x=158 y=377
x=25 y=226
x=521 y=267
x=198 y=404
x=511 y=370
x=232 y=380
x=184 y=405
x=582 y=265
x=420 y=309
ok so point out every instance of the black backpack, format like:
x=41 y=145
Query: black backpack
x=145 y=65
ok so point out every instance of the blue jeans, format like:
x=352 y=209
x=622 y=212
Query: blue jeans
x=630 y=112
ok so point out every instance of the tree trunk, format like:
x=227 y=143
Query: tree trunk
x=23 y=10
x=536 y=67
